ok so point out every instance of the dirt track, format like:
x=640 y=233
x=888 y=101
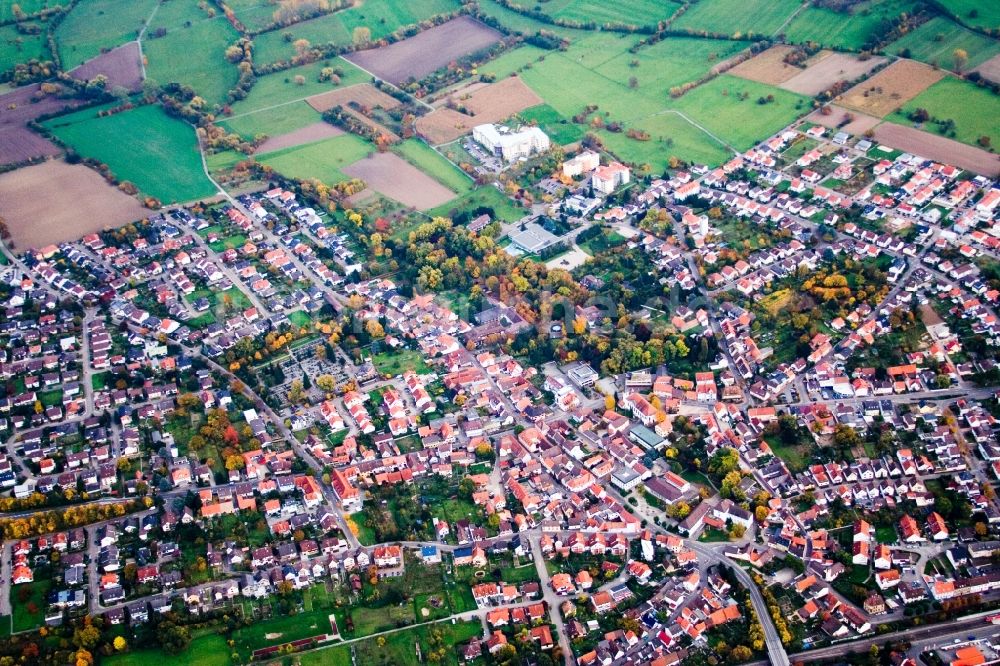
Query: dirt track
x=55 y=202
x=418 y=56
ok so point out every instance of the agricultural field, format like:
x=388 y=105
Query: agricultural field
x=96 y=25
x=975 y=12
x=975 y=111
x=425 y=158
x=891 y=88
x=392 y=176
x=382 y=18
x=845 y=30
x=488 y=104
x=322 y=159
x=635 y=12
x=17 y=48
x=72 y=199
x=828 y=71
x=122 y=66
x=936 y=41
x=768 y=66
x=145 y=146
x=315 y=132
x=733 y=17
x=182 y=55
x=416 y=57
x=939 y=148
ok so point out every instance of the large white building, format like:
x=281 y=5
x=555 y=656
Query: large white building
x=585 y=162
x=607 y=179
x=509 y=145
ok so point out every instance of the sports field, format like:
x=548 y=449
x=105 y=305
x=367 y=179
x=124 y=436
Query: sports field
x=322 y=159
x=93 y=25
x=976 y=111
x=145 y=146
x=935 y=43
x=732 y=17
x=844 y=30
x=382 y=18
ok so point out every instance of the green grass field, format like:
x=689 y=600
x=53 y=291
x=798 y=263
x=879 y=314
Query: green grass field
x=382 y=18
x=282 y=629
x=28 y=7
x=935 y=42
x=29 y=614
x=670 y=135
x=841 y=30
x=145 y=146
x=511 y=61
x=730 y=17
x=194 y=56
x=94 y=25
x=741 y=123
x=16 y=48
x=425 y=158
x=974 y=110
x=208 y=650
x=635 y=12
x=280 y=87
x=322 y=159
x=524 y=24
x=987 y=13
x=273 y=122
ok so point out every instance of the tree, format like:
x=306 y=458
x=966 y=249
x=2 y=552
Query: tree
x=296 y=392
x=374 y=329
x=120 y=643
x=633 y=82
x=466 y=487
x=299 y=80
x=361 y=36
x=961 y=58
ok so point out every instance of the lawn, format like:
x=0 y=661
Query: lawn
x=635 y=12
x=489 y=196
x=975 y=110
x=16 y=48
x=399 y=361
x=742 y=122
x=732 y=17
x=382 y=18
x=93 y=25
x=428 y=160
x=145 y=146
x=321 y=159
x=935 y=42
x=796 y=456
x=400 y=646
x=886 y=534
x=207 y=650
x=561 y=130
x=840 y=30
x=280 y=87
x=987 y=13
x=710 y=534
x=365 y=534
x=194 y=55
x=30 y=613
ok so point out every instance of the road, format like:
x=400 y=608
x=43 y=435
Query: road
x=553 y=600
